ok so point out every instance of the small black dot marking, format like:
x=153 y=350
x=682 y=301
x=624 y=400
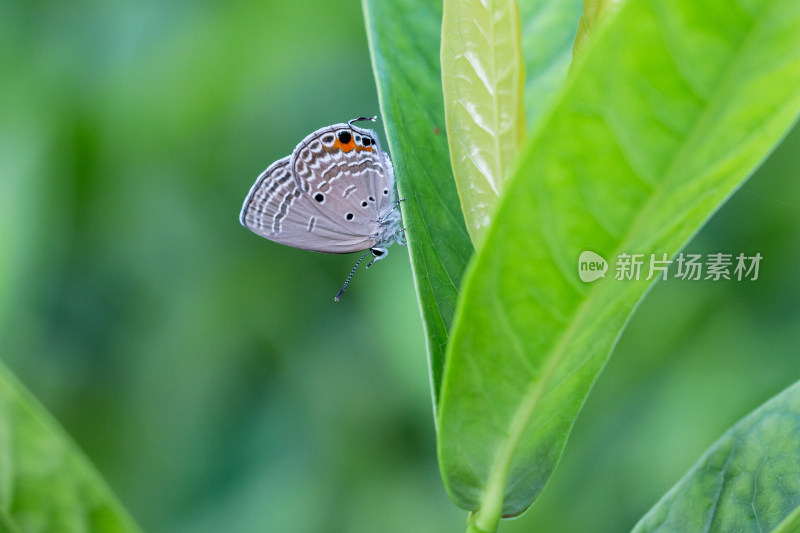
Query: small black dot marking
x=364 y=203
x=349 y=216
x=385 y=192
x=358 y=138
x=367 y=141
x=328 y=139
x=345 y=137
x=371 y=198
x=319 y=197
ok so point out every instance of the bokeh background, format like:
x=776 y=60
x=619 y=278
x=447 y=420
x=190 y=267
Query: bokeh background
x=209 y=375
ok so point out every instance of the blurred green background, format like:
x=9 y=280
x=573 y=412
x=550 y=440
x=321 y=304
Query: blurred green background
x=208 y=373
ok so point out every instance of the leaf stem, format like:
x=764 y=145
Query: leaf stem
x=484 y=520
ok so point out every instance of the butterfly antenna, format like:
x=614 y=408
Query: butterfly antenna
x=349 y=277
x=361 y=119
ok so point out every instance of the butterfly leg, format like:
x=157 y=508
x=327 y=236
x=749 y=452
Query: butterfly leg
x=394 y=208
x=400 y=237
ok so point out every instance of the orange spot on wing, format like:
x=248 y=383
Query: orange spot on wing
x=349 y=147
x=345 y=147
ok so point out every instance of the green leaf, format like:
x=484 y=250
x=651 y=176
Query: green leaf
x=548 y=33
x=46 y=484
x=790 y=524
x=483 y=79
x=749 y=480
x=404 y=44
x=673 y=106
x=594 y=12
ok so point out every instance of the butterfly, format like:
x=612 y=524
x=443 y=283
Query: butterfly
x=334 y=194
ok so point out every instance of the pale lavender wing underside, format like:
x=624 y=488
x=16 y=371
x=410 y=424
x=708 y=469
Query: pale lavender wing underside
x=278 y=210
x=344 y=169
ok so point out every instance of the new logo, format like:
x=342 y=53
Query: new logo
x=591 y=266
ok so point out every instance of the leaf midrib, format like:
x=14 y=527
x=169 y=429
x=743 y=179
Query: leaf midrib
x=498 y=473
x=499 y=165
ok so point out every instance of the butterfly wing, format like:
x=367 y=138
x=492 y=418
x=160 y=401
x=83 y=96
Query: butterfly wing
x=343 y=169
x=278 y=210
